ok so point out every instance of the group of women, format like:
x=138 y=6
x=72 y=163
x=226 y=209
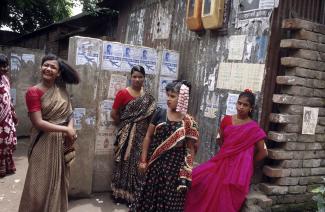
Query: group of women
x=154 y=147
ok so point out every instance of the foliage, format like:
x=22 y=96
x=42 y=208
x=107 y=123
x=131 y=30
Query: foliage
x=25 y=16
x=320 y=197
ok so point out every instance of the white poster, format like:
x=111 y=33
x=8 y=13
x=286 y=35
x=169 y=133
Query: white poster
x=239 y=76
x=309 y=121
x=236 y=47
x=13 y=95
x=169 y=65
x=163 y=81
x=116 y=83
x=28 y=58
x=148 y=60
x=105 y=140
x=112 y=56
x=231 y=104
x=130 y=57
x=105 y=113
x=15 y=62
x=212 y=106
x=87 y=52
x=78 y=114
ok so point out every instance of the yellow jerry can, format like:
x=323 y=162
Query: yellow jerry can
x=212 y=13
x=193 y=15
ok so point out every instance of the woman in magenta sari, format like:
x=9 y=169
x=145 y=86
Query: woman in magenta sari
x=222 y=183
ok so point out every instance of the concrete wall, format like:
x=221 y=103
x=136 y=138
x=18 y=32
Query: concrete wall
x=24 y=72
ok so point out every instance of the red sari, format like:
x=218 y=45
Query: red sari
x=222 y=183
x=8 y=139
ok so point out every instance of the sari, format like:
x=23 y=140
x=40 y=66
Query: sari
x=170 y=165
x=47 y=179
x=8 y=139
x=135 y=118
x=222 y=183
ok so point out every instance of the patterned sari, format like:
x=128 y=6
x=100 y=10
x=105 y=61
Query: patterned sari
x=169 y=172
x=47 y=180
x=135 y=119
x=222 y=183
x=8 y=139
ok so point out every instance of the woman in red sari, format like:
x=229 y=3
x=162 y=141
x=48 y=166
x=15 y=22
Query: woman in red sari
x=8 y=139
x=222 y=183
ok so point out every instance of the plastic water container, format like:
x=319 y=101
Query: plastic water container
x=212 y=13
x=193 y=15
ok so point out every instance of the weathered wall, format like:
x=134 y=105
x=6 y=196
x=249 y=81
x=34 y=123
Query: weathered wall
x=24 y=72
x=161 y=24
x=296 y=164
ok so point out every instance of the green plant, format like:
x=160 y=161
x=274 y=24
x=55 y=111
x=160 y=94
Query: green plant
x=320 y=197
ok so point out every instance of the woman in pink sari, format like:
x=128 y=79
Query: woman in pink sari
x=8 y=139
x=222 y=183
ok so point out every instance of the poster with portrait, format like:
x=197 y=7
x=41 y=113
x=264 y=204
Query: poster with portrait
x=105 y=113
x=105 y=140
x=211 y=106
x=87 y=52
x=169 y=64
x=162 y=98
x=130 y=57
x=148 y=60
x=112 y=56
x=309 y=121
x=116 y=83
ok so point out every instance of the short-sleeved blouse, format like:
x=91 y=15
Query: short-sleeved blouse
x=226 y=121
x=33 y=99
x=122 y=98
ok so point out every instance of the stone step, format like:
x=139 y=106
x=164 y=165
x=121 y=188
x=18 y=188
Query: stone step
x=282 y=136
x=295 y=100
x=270 y=189
x=279 y=154
x=296 y=23
x=302 y=44
x=275 y=171
x=284 y=118
x=300 y=81
x=256 y=202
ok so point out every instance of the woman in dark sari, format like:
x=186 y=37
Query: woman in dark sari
x=52 y=137
x=8 y=139
x=132 y=112
x=167 y=157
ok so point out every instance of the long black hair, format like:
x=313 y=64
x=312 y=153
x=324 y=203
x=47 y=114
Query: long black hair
x=251 y=99
x=175 y=85
x=68 y=74
x=4 y=62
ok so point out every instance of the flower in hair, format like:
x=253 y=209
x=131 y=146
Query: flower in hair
x=248 y=90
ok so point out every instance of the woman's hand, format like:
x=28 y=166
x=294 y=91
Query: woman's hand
x=71 y=135
x=142 y=167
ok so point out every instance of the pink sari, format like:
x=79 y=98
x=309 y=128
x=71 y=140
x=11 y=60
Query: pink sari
x=222 y=183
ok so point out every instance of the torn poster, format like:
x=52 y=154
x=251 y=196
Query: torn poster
x=211 y=106
x=236 y=47
x=231 y=104
x=162 y=98
x=309 y=120
x=87 y=52
x=116 y=83
x=78 y=114
x=105 y=140
x=28 y=58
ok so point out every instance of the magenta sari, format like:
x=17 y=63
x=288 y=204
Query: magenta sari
x=222 y=183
